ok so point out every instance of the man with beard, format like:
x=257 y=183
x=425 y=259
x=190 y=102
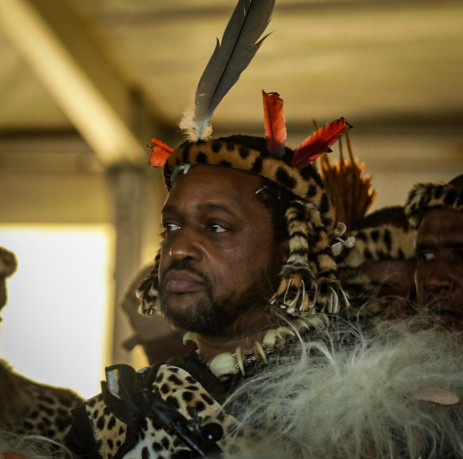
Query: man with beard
x=206 y=239
x=436 y=210
x=246 y=266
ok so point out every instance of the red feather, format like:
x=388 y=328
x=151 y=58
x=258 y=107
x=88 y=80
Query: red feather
x=159 y=153
x=275 y=129
x=319 y=142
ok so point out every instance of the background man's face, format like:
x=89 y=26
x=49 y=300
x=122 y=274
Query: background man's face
x=439 y=271
x=219 y=257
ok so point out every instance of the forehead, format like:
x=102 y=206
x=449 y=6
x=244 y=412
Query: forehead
x=215 y=184
x=441 y=226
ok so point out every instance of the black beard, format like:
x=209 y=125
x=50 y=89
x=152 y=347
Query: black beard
x=208 y=316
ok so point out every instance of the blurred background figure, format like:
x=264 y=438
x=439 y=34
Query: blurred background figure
x=378 y=261
x=436 y=210
x=378 y=271
x=27 y=407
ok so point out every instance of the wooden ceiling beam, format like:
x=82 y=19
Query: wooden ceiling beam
x=59 y=45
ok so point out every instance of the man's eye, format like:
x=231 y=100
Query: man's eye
x=215 y=228
x=169 y=227
x=425 y=255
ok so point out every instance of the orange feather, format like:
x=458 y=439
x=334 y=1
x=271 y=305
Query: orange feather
x=159 y=153
x=275 y=128
x=319 y=142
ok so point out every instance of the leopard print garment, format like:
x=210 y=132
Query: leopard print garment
x=27 y=407
x=180 y=390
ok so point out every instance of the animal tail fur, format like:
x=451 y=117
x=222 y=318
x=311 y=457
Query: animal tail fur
x=358 y=401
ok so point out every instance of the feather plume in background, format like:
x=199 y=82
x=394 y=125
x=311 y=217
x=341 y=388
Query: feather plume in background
x=347 y=185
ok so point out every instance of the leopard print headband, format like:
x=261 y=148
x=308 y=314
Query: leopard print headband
x=425 y=196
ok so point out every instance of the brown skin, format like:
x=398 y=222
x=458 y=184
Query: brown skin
x=439 y=270
x=219 y=258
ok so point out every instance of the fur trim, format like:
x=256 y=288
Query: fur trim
x=360 y=401
x=20 y=445
x=425 y=196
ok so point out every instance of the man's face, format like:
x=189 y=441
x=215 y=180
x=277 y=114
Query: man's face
x=439 y=270
x=219 y=257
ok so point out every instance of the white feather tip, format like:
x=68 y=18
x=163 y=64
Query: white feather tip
x=191 y=129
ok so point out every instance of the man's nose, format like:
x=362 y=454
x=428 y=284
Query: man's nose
x=186 y=244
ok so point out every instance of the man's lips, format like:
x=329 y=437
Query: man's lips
x=181 y=281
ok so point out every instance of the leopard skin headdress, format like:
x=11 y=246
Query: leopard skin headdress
x=309 y=280
x=424 y=196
